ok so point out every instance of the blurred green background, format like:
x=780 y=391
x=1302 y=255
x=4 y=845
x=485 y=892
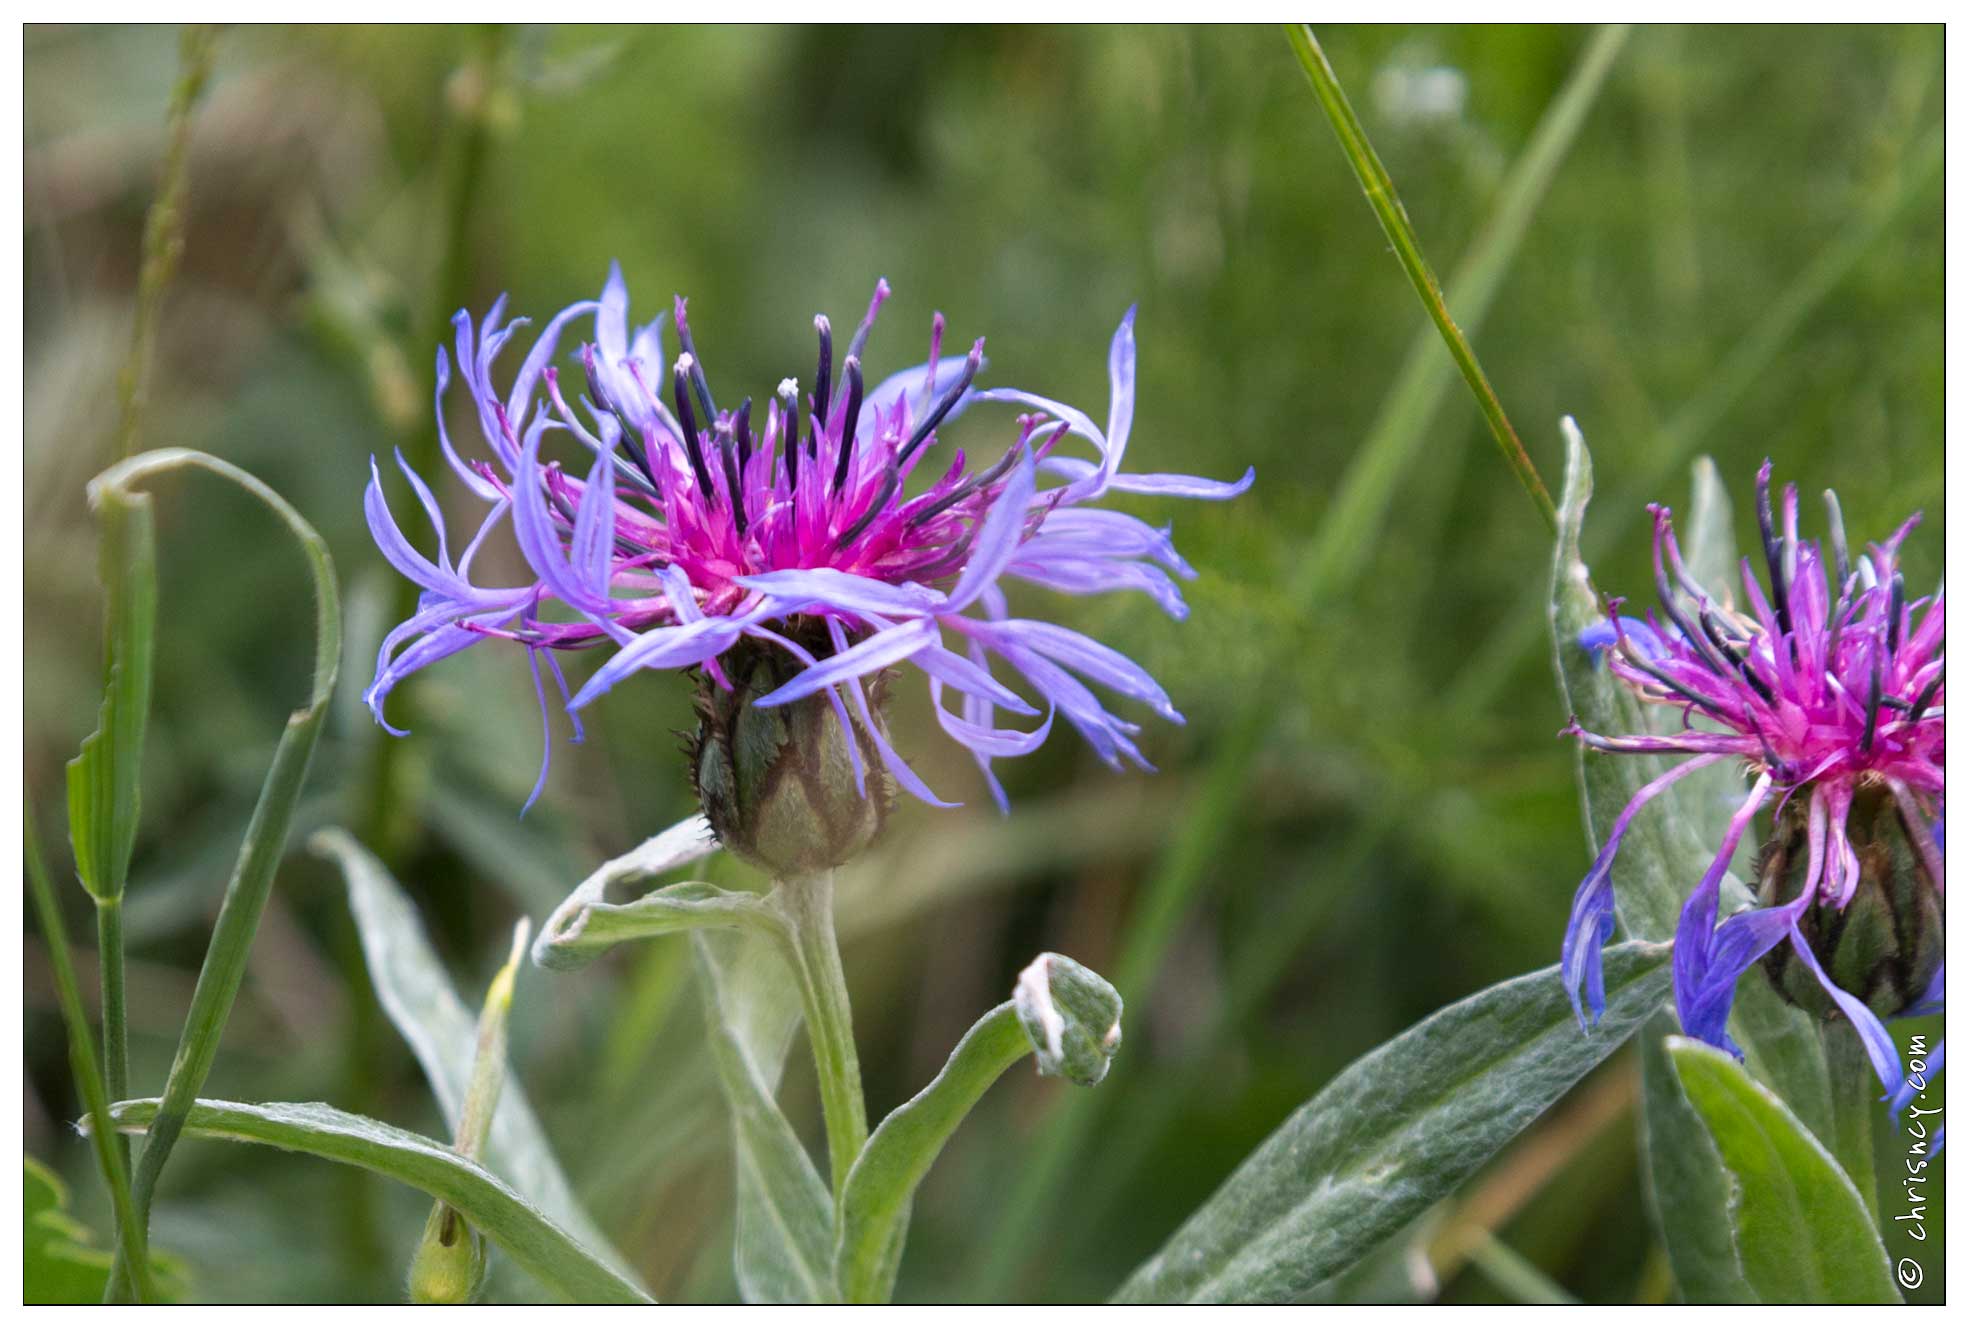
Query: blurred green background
x=1741 y=254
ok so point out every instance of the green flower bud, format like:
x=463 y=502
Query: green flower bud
x=1071 y=1015
x=777 y=783
x=450 y=1266
x=1886 y=944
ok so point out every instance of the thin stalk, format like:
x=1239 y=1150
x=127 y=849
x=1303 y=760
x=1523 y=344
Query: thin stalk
x=1387 y=205
x=115 y=1006
x=82 y=1061
x=164 y=233
x=808 y=905
x=1332 y=559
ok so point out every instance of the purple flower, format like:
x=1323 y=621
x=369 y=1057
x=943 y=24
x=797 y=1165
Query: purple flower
x=1825 y=690
x=688 y=528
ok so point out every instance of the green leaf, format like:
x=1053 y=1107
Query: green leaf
x=1688 y=1190
x=1394 y=1133
x=1802 y=1230
x=784 y=1246
x=534 y=1241
x=1065 y=1015
x=265 y=840
x=1652 y=877
x=585 y=924
x=103 y=780
x=62 y=1265
x=441 y=1030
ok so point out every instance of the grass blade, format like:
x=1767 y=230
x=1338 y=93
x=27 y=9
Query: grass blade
x=265 y=840
x=104 y=793
x=534 y=1241
x=1381 y=196
x=82 y=1057
x=1334 y=557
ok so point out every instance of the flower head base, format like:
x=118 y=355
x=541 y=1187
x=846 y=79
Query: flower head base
x=825 y=527
x=1829 y=691
x=780 y=784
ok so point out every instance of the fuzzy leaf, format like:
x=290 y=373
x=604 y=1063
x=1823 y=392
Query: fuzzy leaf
x=784 y=1247
x=586 y=924
x=1688 y=1190
x=535 y=1242
x=1394 y=1133
x=442 y=1031
x=1803 y=1232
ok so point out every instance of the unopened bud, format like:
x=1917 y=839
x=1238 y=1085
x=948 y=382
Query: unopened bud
x=450 y=1265
x=1072 y=1015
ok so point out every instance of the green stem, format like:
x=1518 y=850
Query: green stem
x=1387 y=205
x=875 y=1205
x=82 y=1060
x=116 y=1025
x=808 y=904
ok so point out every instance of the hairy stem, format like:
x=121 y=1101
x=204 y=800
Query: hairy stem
x=808 y=904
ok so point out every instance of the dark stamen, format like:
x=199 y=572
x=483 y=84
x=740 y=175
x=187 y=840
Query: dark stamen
x=1773 y=552
x=852 y=372
x=824 y=376
x=698 y=381
x=1681 y=621
x=728 y=451
x=1896 y=604
x=1927 y=697
x=997 y=471
x=1872 y=707
x=891 y=481
x=742 y=432
x=687 y=422
x=1714 y=632
x=1654 y=671
x=944 y=403
x=596 y=391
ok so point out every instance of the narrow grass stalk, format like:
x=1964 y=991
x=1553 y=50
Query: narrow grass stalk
x=1387 y=205
x=1334 y=557
x=116 y=1021
x=164 y=232
x=262 y=846
x=1492 y=665
x=815 y=954
x=82 y=1060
